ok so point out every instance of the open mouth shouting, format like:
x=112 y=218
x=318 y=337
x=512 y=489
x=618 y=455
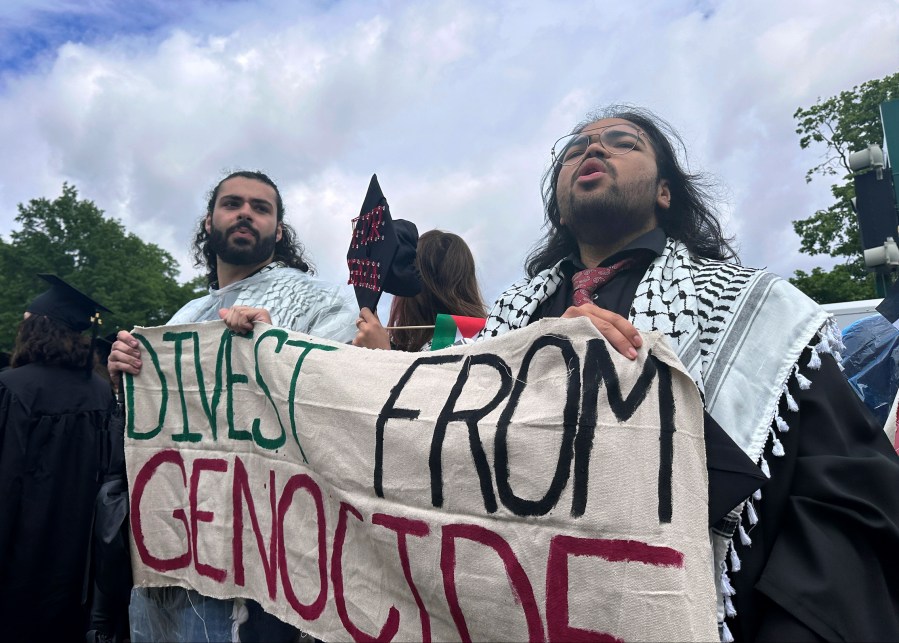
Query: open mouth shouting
x=590 y=170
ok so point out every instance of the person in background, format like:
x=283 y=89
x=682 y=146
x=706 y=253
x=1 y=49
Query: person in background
x=54 y=413
x=449 y=286
x=256 y=272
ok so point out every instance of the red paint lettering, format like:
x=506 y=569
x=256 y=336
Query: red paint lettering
x=521 y=585
x=402 y=527
x=392 y=624
x=315 y=608
x=561 y=547
x=140 y=483
x=196 y=516
x=241 y=497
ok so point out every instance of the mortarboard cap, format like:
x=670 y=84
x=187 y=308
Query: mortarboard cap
x=66 y=304
x=381 y=257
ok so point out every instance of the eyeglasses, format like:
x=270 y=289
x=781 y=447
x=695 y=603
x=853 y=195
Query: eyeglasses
x=615 y=139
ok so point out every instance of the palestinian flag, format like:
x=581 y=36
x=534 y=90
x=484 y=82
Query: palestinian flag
x=449 y=329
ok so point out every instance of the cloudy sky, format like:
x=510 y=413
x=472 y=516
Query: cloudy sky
x=455 y=104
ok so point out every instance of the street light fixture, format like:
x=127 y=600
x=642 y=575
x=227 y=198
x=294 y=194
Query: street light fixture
x=870 y=157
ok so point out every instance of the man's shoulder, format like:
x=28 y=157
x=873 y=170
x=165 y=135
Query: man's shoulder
x=297 y=284
x=56 y=385
x=186 y=314
x=710 y=268
x=725 y=276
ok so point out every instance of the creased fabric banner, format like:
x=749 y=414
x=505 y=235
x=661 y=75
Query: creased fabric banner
x=535 y=486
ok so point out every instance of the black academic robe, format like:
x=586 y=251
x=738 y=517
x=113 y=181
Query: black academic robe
x=52 y=437
x=824 y=559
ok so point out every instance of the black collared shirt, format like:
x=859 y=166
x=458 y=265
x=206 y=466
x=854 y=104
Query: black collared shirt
x=618 y=294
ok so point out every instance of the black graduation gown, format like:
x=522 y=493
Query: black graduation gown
x=52 y=436
x=824 y=559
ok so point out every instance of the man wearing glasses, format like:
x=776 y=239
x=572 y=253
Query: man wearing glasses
x=633 y=243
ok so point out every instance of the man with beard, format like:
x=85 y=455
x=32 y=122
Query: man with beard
x=634 y=244
x=256 y=272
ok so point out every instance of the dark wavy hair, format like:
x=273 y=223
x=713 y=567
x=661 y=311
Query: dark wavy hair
x=42 y=340
x=449 y=286
x=690 y=218
x=288 y=250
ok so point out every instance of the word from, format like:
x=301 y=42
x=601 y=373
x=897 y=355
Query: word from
x=578 y=423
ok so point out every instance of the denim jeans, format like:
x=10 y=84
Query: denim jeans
x=175 y=614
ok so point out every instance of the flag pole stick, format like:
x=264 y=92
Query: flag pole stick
x=407 y=327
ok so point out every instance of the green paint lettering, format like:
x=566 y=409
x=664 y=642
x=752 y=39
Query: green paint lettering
x=264 y=442
x=178 y=338
x=231 y=379
x=291 y=400
x=129 y=394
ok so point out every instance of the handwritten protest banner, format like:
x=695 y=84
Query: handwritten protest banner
x=535 y=486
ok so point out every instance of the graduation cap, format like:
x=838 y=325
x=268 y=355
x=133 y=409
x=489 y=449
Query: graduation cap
x=67 y=305
x=381 y=257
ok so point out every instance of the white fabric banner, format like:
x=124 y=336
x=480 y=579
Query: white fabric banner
x=535 y=486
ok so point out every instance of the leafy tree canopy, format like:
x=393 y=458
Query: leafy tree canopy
x=75 y=240
x=839 y=126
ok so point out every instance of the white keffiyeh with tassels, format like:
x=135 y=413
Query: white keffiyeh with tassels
x=739 y=332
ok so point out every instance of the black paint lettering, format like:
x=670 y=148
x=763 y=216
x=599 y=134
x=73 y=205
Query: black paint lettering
x=598 y=367
x=522 y=506
x=391 y=411
x=666 y=441
x=471 y=417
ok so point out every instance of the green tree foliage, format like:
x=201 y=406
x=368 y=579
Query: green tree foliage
x=841 y=125
x=73 y=239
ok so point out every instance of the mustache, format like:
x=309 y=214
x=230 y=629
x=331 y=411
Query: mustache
x=242 y=225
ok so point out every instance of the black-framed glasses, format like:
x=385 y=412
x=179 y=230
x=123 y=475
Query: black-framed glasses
x=616 y=139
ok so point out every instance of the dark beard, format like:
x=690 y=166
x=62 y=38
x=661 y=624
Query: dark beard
x=243 y=254
x=601 y=219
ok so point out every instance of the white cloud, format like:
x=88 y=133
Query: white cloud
x=453 y=104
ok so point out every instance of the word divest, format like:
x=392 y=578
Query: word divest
x=534 y=486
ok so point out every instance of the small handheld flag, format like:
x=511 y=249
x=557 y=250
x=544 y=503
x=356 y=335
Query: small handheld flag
x=450 y=329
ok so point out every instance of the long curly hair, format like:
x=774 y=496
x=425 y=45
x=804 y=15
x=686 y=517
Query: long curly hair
x=690 y=219
x=42 y=340
x=288 y=250
x=449 y=286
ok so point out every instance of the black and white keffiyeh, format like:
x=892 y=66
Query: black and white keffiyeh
x=739 y=332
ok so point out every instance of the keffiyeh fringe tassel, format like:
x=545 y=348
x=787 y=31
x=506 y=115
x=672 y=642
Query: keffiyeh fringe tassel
x=726 y=636
x=735 y=563
x=830 y=342
x=726 y=589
